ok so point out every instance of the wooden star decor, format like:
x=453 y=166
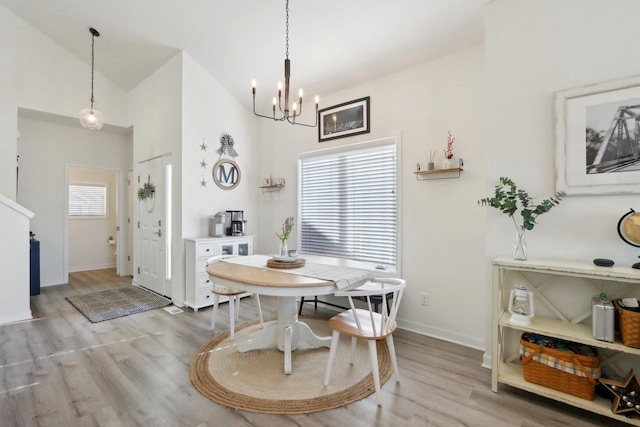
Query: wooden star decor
x=203 y=164
x=203 y=147
x=626 y=393
x=203 y=183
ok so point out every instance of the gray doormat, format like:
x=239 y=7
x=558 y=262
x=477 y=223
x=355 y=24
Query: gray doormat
x=107 y=305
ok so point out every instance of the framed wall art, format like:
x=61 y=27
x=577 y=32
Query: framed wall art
x=343 y=120
x=598 y=138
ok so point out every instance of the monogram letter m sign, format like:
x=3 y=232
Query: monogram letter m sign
x=226 y=174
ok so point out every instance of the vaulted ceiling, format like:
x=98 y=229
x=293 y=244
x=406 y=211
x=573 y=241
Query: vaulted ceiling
x=333 y=43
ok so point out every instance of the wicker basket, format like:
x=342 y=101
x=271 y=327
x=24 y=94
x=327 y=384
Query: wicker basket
x=555 y=378
x=629 y=323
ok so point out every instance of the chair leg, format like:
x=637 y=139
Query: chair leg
x=392 y=353
x=257 y=297
x=373 y=354
x=301 y=304
x=232 y=306
x=332 y=355
x=216 y=299
x=354 y=341
x=237 y=307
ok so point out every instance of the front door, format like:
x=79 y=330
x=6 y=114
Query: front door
x=151 y=273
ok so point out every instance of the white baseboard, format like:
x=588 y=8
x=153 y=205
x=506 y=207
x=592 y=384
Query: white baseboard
x=91 y=267
x=16 y=317
x=464 y=340
x=486 y=361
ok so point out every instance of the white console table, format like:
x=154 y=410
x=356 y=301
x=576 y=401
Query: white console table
x=562 y=294
x=198 y=251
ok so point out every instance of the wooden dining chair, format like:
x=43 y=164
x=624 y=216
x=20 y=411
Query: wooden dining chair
x=234 y=302
x=368 y=324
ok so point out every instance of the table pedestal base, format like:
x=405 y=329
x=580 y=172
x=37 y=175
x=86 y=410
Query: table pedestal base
x=288 y=334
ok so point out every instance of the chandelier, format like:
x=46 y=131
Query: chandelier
x=90 y=118
x=289 y=115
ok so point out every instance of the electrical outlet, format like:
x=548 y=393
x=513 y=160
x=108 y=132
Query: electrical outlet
x=424 y=298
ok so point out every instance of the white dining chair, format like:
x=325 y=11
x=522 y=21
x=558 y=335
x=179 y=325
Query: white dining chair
x=368 y=324
x=234 y=302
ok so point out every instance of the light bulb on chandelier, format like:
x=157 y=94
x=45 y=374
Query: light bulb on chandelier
x=90 y=118
x=296 y=108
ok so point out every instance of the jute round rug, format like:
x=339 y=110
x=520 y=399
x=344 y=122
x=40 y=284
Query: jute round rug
x=255 y=381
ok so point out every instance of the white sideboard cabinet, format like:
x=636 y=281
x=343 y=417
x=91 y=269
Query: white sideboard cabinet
x=562 y=295
x=198 y=251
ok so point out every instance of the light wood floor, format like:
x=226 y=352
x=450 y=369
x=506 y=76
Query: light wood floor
x=61 y=370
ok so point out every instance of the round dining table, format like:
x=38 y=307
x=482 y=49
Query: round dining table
x=288 y=333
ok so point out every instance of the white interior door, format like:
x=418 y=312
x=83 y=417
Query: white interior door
x=151 y=272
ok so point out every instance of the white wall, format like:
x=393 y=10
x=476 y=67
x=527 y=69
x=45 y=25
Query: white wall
x=89 y=248
x=46 y=150
x=209 y=111
x=14 y=244
x=534 y=49
x=155 y=111
x=38 y=74
x=442 y=227
x=172 y=111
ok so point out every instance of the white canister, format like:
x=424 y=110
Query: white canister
x=217 y=224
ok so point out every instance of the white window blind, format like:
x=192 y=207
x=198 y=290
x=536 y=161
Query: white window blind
x=87 y=200
x=348 y=205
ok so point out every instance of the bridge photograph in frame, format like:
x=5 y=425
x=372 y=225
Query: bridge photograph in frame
x=598 y=138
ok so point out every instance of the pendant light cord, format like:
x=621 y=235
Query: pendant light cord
x=93 y=38
x=287 y=29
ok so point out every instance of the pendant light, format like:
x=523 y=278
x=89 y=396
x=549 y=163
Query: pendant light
x=90 y=118
x=289 y=115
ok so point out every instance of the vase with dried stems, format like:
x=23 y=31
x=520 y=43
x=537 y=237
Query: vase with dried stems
x=448 y=153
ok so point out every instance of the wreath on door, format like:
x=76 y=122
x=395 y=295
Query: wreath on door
x=148 y=190
x=147 y=194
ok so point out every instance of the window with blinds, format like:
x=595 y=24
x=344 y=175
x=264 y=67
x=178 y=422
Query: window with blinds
x=349 y=205
x=88 y=200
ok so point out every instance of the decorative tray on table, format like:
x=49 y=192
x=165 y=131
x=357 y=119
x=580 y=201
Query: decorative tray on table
x=284 y=262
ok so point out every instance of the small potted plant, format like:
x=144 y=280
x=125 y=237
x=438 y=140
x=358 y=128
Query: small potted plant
x=509 y=199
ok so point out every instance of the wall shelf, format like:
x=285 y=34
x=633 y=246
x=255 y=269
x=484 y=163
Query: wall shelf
x=424 y=175
x=269 y=188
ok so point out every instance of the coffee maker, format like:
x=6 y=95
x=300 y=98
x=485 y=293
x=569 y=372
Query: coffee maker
x=236 y=227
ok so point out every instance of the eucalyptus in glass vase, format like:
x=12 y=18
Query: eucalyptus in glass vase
x=509 y=199
x=284 y=236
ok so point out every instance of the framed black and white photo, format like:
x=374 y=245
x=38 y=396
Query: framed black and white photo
x=347 y=119
x=598 y=138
